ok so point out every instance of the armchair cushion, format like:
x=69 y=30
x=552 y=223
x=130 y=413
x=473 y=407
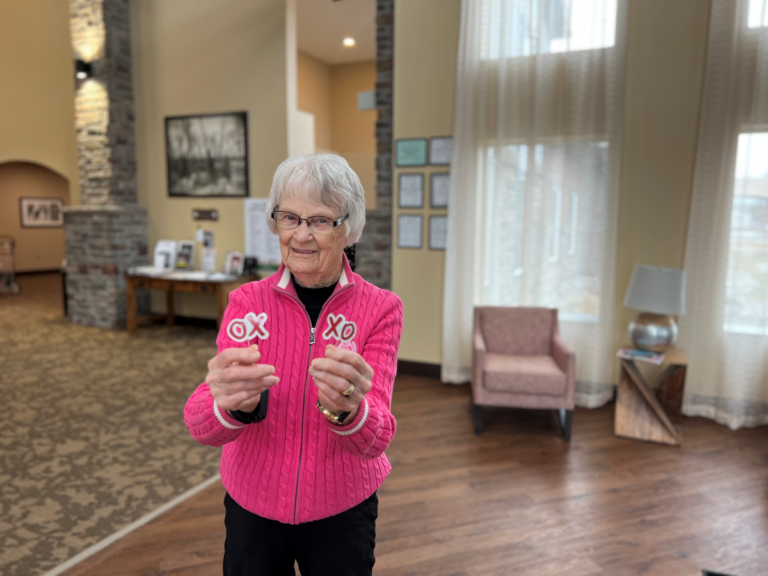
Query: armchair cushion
x=523 y=375
x=518 y=331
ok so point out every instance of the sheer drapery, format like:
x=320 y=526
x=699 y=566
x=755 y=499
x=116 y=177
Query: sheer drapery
x=725 y=328
x=535 y=174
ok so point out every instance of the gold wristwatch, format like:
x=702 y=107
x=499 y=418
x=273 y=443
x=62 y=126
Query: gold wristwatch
x=338 y=420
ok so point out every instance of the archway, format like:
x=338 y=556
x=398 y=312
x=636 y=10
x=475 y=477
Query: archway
x=39 y=240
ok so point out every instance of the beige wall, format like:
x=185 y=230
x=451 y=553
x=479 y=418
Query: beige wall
x=37 y=111
x=330 y=93
x=36 y=248
x=353 y=131
x=197 y=57
x=666 y=54
x=314 y=96
x=426 y=45
x=665 y=65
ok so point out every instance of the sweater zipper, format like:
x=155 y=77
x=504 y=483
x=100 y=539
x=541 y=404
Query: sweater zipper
x=306 y=381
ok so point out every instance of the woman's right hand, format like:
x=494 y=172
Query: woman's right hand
x=236 y=379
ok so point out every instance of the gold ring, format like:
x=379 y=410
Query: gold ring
x=349 y=391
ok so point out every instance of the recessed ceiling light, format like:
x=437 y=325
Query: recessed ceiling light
x=349 y=42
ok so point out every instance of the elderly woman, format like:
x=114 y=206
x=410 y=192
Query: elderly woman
x=300 y=391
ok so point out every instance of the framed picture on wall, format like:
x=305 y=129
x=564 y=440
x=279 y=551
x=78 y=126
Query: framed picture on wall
x=411 y=152
x=438 y=232
x=439 y=183
x=41 y=212
x=409 y=231
x=207 y=155
x=440 y=150
x=410 y=189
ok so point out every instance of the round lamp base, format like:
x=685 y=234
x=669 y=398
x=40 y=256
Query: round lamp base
x=653 y=332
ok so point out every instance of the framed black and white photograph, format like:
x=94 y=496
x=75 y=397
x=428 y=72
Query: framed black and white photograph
x=185 y=256
x=440 y=150
x=207 y=155
x=409 y=231
x=410 y=189
x=439 y=183
x=41 y=212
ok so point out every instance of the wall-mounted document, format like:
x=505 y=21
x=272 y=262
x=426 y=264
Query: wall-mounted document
x=259 y=240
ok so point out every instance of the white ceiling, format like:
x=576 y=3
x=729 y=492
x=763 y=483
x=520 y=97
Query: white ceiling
x=323 y=24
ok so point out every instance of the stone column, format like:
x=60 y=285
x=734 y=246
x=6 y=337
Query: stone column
x=374 y=251
x=108 y=233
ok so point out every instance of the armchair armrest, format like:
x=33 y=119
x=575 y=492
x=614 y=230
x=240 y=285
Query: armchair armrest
x=565 y=358
x=478 y=356
x=563 y=354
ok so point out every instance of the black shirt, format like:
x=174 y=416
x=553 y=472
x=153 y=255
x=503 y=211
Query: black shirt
x=314 y=298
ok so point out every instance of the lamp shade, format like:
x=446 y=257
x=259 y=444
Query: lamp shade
x=656 y=290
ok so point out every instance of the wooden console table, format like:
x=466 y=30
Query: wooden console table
x=171 y=284
x=652 y=413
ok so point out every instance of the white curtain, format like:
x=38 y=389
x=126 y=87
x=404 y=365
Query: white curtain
x=725 y=328
x=535 y=174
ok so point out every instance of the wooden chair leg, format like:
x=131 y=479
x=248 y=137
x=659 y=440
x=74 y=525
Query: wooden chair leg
x=478 y=419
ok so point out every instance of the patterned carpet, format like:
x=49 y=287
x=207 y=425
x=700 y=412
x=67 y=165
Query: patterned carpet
x=93 y=434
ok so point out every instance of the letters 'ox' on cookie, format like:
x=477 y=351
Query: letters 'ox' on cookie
x=248 y=328
x=340 y=328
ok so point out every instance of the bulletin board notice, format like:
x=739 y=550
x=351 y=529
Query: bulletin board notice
x=259 y=240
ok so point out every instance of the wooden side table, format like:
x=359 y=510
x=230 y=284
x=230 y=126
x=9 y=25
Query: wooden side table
x=652 y=412
x=219 y=288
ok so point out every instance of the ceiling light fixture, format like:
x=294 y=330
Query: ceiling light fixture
x=349 y=42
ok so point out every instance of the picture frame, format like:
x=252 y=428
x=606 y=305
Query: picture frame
x=165 y=255
x=410 y=190
x=207 y=155
x=438 y=232
x=440 y=150
x=410 y=152
x=409 y=231
x=209 y=260
x=234 y=264
x=41 y=212
x=185 y=255
x=439 y=186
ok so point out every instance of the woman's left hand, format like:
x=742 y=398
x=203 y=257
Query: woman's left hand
x=335 y=373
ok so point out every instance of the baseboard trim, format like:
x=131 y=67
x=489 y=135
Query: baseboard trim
x=146 y=519
x=31 y=272
x=424 y=369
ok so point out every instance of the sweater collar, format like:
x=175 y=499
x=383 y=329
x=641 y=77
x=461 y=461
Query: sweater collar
x=282 y=278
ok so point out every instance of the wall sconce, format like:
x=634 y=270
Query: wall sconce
x=82 y=69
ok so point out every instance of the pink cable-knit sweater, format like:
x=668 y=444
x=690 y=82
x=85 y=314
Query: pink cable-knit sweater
x=295 y=466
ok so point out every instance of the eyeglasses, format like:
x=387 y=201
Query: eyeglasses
x=289 y=221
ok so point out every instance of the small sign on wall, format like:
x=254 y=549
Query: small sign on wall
x=42 y=212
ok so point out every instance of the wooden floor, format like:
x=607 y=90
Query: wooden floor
x=519 y=500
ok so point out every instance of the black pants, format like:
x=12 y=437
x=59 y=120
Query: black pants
x=341 y=545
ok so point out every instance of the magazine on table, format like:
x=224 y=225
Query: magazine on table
x=640 y=355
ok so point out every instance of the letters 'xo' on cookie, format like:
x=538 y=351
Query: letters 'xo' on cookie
x=340 y=328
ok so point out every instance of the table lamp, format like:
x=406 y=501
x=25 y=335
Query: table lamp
x=658 y=293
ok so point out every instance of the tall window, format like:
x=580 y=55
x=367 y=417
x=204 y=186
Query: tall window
x=531 y=27
x=534 y=189
x=757 y=14
x=746 y=308
x=536 y=252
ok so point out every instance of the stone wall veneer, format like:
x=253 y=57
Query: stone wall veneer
x=108 y=233
x=374 y=251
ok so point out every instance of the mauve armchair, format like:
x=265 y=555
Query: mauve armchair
x=521 y=361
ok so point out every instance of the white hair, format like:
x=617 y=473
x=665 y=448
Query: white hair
x=323 y=179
